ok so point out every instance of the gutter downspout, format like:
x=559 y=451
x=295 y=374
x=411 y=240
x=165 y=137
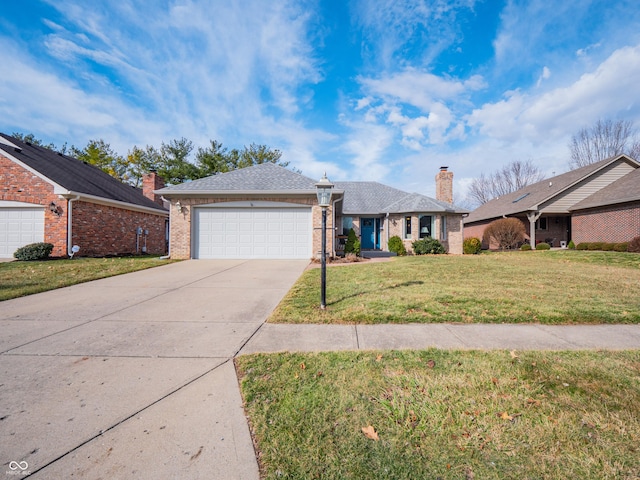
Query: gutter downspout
x=70 y=224
x=386 y=221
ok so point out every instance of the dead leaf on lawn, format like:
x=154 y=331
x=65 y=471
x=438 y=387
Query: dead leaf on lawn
x=505 y=416
x=370 y=433
x=431 y=363
x=303 y=366
x=513 y=354
x=378 y=357
x=494 y=380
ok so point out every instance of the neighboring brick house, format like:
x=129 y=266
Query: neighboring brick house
x=267 y=211
x=611 y=215
x=46 y=196
x=598 y=202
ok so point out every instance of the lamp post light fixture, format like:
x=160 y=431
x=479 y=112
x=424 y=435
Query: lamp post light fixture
x=323 y=190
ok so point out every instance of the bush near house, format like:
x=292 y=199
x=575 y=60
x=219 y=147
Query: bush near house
x=352 y=243
x=603 y=246
x=427 y=245
x=634 y=245
x=506 y=232
x=525 y=247
x=34 y=251
x=571 y=246
x=621 y=247
x=396 y=245
x=471 y=246
x=543 y=246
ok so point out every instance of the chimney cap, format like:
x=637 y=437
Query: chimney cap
x=443 y=169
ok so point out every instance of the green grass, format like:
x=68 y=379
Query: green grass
x=550 y=287
x=445 y=414
x=18 y=279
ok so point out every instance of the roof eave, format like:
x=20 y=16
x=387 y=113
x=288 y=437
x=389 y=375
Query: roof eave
x=189 y=193
x=68 y=194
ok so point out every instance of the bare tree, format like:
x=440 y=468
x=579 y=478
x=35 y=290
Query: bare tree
x=511 y=177
x=605 y=139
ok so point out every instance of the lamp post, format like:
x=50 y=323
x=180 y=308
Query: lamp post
x=323 y=190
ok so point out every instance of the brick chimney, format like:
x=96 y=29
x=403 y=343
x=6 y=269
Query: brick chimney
x=152 y=181
x=444 y=185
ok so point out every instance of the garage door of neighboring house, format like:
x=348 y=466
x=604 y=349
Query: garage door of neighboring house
x=20 y=225
x=253 y=230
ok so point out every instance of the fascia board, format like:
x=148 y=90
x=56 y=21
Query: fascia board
x=68 y=194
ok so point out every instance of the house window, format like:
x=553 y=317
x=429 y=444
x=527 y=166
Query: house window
x=541 y=224
x=347 y=224
x=407 y=227
x=443 y=227
x=426 y=226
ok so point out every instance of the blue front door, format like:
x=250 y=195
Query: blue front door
x=369 y=233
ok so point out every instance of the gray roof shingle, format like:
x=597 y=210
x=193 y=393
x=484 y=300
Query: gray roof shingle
x=73 y=174
x=263 y=177
x=529 y=197
x=360 y=198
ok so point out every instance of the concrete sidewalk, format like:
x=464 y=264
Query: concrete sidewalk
x=313 y=338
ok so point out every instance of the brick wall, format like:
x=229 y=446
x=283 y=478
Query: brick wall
x=99 y=230
x=20 y=185
x=453 y=243
x=181 y=228
x=102 y=230
x=611 y=224
x=444 y=185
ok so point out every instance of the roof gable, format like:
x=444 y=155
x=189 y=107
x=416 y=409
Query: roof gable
x=264 y=177
x=72 y=174
x=530 y=197
x=626 y=189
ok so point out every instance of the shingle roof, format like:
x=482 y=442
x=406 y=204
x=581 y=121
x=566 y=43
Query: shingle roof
x=626 y=189
x=73 y=174
x=263 y=177
x=364 y=198
x=529 y=197
x=375 y=198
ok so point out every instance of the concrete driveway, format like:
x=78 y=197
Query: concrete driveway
x=131 y=376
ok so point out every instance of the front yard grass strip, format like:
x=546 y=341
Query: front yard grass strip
x=557 y=287
x=444 y=414
x=18 y=279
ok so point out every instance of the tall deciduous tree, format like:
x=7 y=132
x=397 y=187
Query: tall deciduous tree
x=511 y=177
x=605 y=139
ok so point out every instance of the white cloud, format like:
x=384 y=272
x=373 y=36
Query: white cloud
x=609 y=91
x=545 y=75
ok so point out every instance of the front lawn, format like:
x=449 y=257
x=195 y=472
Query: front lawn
x=444 y=414
x=550 y=287
x=18 y=279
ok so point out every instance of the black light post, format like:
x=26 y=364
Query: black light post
x=323 y=190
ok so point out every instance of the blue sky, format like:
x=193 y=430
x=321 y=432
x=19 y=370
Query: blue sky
x=385 y=90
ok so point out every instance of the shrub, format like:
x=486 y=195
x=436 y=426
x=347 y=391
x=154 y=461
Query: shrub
x=506 y=232
x=582 y=246
x=608 y=247
x=621 y=247
x=595 y=246
x=634 y=245
x=356 y=247
x=543 y=246
x=349 y=247
x=525 y=247
x=34 y=251
x=571 y=246
x=427 y=245
x=396 y=245
x=471 y=246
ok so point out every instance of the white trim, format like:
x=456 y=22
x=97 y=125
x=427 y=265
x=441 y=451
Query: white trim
x=112 y=203
x=253 y=204
x=11 y=204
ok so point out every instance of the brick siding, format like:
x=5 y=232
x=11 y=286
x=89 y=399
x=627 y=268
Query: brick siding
x=610 y=224
x=99 y=230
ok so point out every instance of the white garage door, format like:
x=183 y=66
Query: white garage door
x=19 y=226
x=237 y=232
